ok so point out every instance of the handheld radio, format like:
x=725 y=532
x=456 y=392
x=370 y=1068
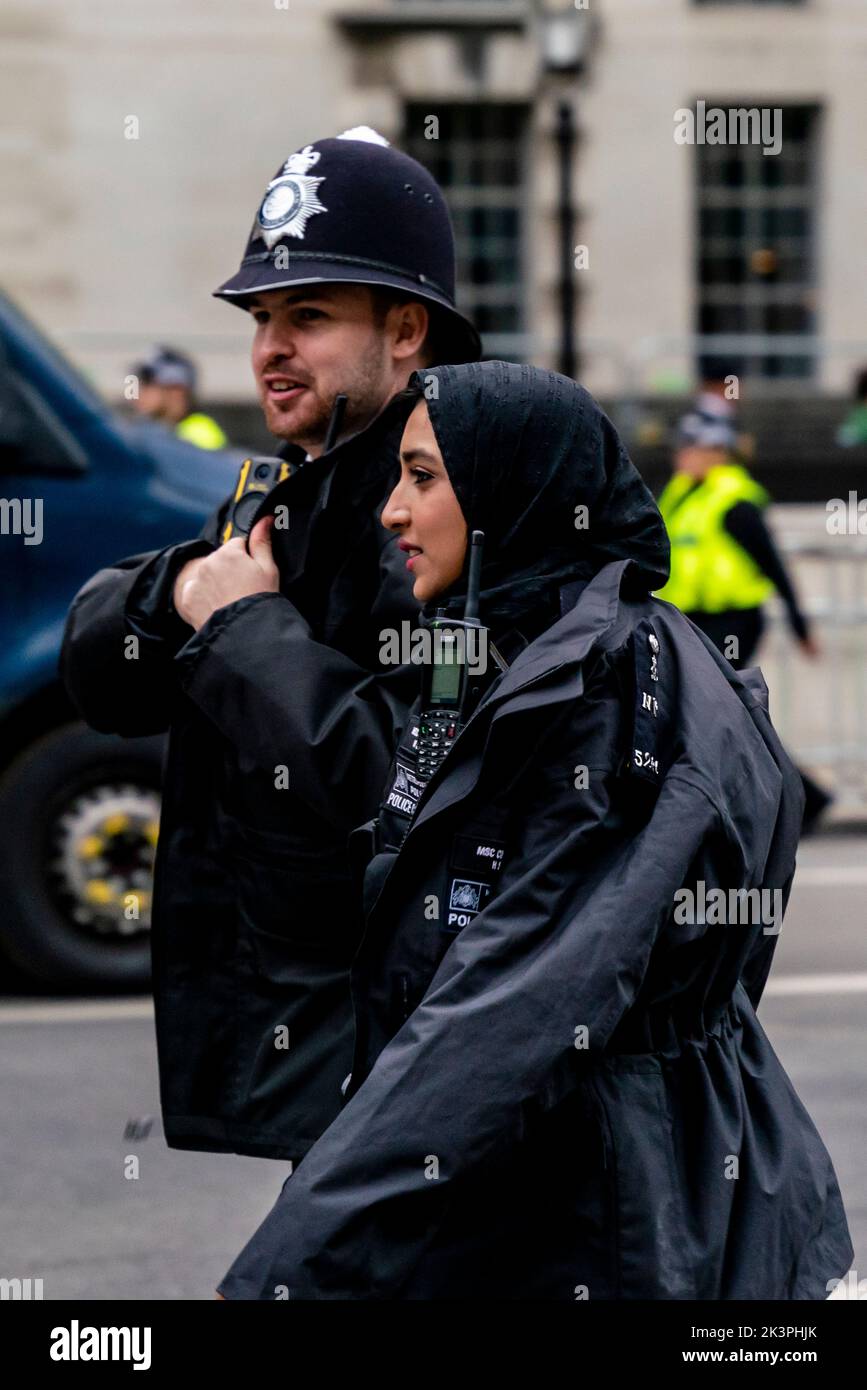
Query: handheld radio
x=446 y=679
x=259 y=475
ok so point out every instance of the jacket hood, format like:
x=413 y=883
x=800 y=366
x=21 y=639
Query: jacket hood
x=540 y=469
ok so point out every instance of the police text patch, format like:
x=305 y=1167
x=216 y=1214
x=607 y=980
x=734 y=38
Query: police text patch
x=477 y=856
x=406 y=788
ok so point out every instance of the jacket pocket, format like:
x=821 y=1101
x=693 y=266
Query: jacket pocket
x=306 y=909
x=291 y=998
x=284 y=848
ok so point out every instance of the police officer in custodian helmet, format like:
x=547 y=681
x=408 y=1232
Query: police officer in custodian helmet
x=260 y=655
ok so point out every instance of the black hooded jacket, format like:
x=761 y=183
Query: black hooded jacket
x=281 y=727
x=560 y=1087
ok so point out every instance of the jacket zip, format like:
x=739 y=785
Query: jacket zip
x=404 y=990
x=403 y=995
x=604 y=1128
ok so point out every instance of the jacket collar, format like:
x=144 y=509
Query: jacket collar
x=374 y=438
x=567 y=642
x=377 y=441
x=373 y=449
x=559 y=651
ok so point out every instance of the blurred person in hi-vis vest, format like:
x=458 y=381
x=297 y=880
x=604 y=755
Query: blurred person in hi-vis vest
x=725 y=564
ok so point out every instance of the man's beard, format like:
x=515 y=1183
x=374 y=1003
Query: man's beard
x=366 y=393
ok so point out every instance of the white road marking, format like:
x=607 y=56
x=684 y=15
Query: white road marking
x=75 y=1012
x=118 y=1010
x=852 y=983
x=825 y=876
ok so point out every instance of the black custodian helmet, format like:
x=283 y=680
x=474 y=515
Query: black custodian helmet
x=355 y=210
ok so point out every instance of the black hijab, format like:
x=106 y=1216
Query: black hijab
x=523 y=449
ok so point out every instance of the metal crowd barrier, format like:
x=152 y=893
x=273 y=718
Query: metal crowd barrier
x=819 y=707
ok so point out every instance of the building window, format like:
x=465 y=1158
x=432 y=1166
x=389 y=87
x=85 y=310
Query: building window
x=756 y=243
x=479 y=161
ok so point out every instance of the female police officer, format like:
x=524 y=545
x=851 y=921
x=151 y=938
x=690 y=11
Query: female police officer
x=560 y=1088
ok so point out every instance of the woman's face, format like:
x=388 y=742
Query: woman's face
x=424 y=510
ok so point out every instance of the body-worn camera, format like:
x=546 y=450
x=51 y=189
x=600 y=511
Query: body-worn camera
x=257 y=476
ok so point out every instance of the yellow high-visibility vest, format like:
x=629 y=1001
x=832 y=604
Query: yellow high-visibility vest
x=200 y=429
x=710 y=572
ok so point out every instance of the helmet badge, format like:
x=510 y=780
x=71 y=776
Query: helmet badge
x=290 y=199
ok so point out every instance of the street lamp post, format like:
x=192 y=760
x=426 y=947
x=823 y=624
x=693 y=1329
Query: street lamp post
x=564 y=30
x=565 y=136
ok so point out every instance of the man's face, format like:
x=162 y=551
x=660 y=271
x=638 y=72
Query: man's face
x=696 y=461
x=150 y=400
x=311 y=343
x=167 y=403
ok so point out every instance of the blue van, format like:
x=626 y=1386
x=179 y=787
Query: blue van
x=81 y=487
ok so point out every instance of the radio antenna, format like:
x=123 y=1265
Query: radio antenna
x=471 y=609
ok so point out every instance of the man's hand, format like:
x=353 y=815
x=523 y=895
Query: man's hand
x=211 y=581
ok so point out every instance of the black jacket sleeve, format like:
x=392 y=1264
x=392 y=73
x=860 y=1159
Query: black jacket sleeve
x=284 y=699
x=121 y=634
x=745 y=523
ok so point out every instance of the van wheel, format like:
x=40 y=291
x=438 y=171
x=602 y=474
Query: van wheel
x=79 y=814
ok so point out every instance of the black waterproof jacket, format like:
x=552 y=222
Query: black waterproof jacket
x=255 y=918
x=560 y=1088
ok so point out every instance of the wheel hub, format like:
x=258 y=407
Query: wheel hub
x=102 y=856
